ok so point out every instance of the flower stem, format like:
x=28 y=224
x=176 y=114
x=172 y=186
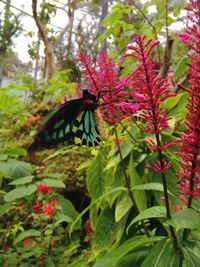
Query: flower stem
x=186 y=232
x=127 y=181
x=164 y=182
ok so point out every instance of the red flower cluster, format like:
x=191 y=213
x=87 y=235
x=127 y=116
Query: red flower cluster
x=32 y=122
x=189 y=183
x=28 y=241
x=42 y=188
x=47 y=209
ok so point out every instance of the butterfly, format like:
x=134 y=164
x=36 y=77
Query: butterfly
x=73 y=122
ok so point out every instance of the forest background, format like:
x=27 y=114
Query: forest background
x=133 y=200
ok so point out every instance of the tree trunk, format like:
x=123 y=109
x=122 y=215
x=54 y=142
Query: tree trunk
x=49 y=49
x=104 y=8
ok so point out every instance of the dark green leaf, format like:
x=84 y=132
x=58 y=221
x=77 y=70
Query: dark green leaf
x=53 y=183
x=150 y=186
x=106 y=230
x=67 y=207
x=49 y=262
x=123 y=205
x=115 y=256
x=15 y=168
x=162 y=254
x=20 y=192
x=24 y=180
x=95 y=178
x=186 y=218
x=154 y=212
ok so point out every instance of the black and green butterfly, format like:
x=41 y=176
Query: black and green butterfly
x=70 y=123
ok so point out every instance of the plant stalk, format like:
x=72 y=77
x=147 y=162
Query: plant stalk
x=127 y=181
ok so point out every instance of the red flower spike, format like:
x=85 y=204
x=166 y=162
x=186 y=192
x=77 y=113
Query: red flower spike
x=106 y=84
x=189 y=183
x=149 y=92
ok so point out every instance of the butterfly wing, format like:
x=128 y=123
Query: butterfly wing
x=85 y=129
x=69 y=123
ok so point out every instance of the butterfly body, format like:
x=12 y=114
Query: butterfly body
x=70 y=123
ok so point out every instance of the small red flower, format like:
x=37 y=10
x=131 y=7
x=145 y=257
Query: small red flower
x=37 y=207
x=39 y=171
x=53 y=242
x=28 y=241
x=42 y=188
x=88 y=228
x=48 y=210
x=28 y=125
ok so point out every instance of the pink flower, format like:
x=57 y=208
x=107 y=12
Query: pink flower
x=103 y=81
x=189 y=183
x=149 y=92
x=42 y=188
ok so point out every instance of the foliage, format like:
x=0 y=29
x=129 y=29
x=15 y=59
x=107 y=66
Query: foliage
x=133 y=200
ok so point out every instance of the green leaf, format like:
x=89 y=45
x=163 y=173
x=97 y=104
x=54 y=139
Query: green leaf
x=49 y=262
x=63 y=218
x=182 y=67
x=5 y=208
x=112 y=18
x=186 y=218
x=162 y=254
x=26 y=234
x=123 y=205
x=126 y=148
x=15 y=168
x=139 y=197
x=95 y=177
x=15 y=152
x=113 y=257
x=150 y=186
x=110 y=192
x=3 y=156
x=106 y=230
x=67 y=207
x=78 y=262
x=171 y=102
x=20 y=192
x=191 y=254
x=24 y=180
x=134 y=259
x=154 y=212
x=53 y=183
